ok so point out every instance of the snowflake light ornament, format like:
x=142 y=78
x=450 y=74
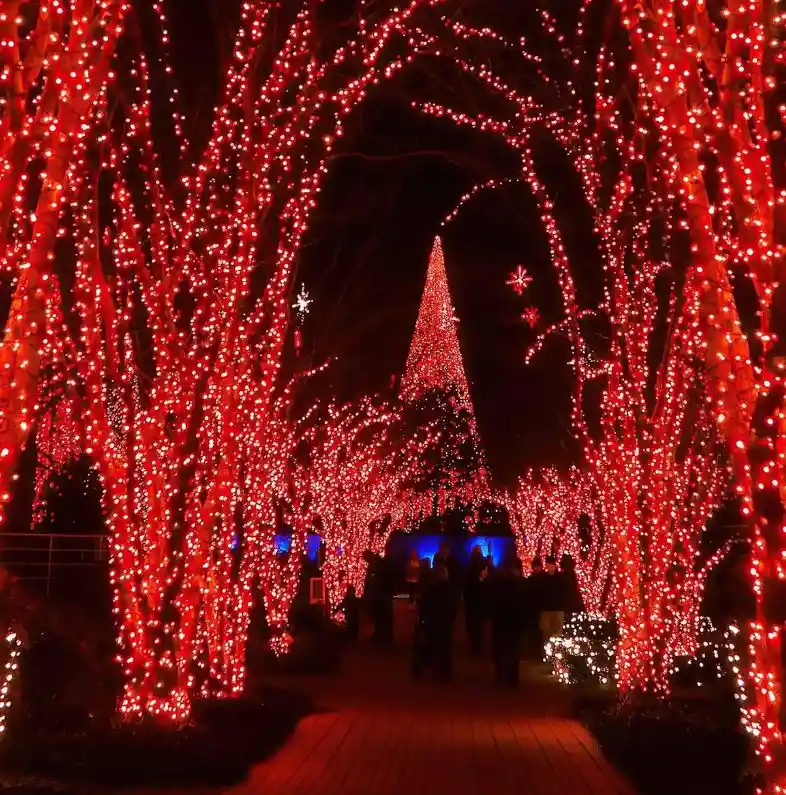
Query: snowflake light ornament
x=519 y=280
x=302 y=303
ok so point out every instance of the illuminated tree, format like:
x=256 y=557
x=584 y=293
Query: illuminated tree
x=436 y=393
x=434 y=360
x=659 y=477
x=54 y=71
x=361 y=462
x=708 y=80
x=555 y=513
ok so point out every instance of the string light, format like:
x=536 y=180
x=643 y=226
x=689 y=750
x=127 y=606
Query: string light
x=546 y=511
x=56 y=89
x=705 y=94
x=13 y=644
x=434 y=360
x=191 y=445
x=585 y=650
x=194 y=449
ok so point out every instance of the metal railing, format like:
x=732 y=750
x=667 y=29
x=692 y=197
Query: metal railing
x=42 y=557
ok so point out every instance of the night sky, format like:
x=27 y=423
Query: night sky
x=365 y=259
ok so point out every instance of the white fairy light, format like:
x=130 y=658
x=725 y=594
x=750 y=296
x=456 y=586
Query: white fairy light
x=13 y=650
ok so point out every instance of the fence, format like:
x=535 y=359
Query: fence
x=45 y=557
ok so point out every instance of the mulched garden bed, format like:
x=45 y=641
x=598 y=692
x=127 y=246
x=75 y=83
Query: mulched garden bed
x=225 y=739
x=680 y=747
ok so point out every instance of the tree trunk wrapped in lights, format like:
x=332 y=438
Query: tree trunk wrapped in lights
x=277 y=479
x=659 y=477
x=708 y=78
x=361 y=465
x=53 y=81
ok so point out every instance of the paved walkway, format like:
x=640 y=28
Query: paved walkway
x=380 y=733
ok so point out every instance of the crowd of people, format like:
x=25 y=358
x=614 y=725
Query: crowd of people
x=519 y=609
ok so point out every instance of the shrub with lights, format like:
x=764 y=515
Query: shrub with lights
x=585 y=650
x=586 y=653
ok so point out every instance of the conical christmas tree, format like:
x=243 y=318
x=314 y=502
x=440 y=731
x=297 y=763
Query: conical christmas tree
x=434 y=360
x=435 y=386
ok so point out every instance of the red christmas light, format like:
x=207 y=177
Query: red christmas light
x=361 y=463
x=545 y=511
x=182 y=410
x=192 y=444
x=706 y=94
x=9 y=675
x=54 y=68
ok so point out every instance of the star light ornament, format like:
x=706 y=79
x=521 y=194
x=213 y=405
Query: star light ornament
x=519 y=280
x=302 y=303
x=530 y=316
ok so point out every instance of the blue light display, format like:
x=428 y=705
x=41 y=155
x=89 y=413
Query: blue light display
x=427 y=546
x=283 y=543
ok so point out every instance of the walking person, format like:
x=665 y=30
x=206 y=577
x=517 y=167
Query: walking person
x=506 y=621
x=437 y=615
x=532 y=601
x=380 y=590
x=350 y=608
x=475 y=600
x=412 y=574
x=420 y=649
x=574 y=603
x=445 y=557
x=552 y=595
x=388 y=582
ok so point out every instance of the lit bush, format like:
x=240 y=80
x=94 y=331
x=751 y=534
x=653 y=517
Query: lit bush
x=585 y=653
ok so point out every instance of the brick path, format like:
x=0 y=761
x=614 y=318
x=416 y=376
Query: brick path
x=382 y=734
